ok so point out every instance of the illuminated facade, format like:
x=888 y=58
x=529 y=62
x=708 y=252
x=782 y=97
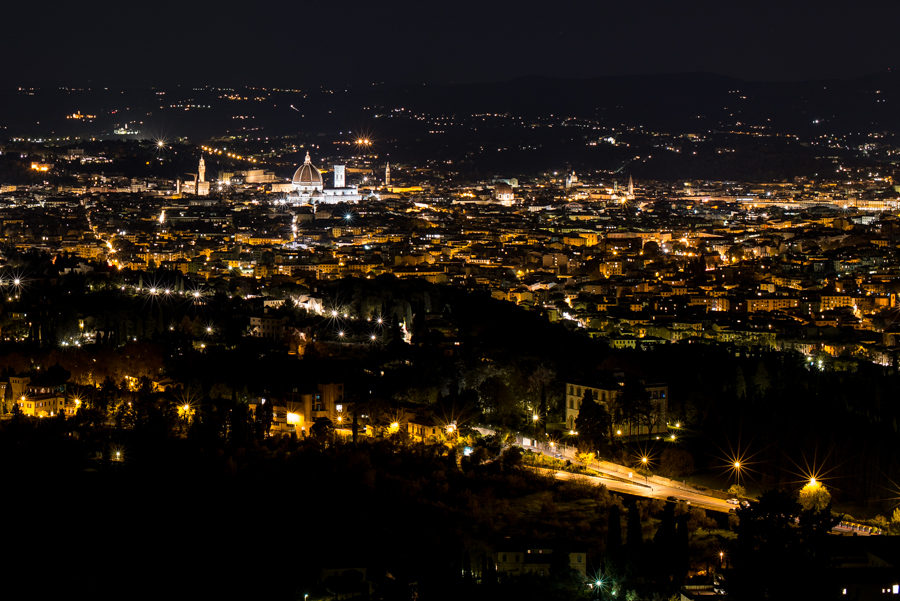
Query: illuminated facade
x=607 y=394
x=297 y=412
x=309 y=186
x=503 y=194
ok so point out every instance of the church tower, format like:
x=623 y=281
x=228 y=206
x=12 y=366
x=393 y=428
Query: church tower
x=387 y=174
x=630 y=187
x=201 y=170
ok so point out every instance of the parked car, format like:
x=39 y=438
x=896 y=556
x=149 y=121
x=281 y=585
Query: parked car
x=733 y=502
x=745 y=503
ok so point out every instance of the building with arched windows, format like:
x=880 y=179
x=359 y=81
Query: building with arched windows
x=607 y=390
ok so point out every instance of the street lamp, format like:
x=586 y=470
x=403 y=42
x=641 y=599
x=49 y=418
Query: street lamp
x=340 y=420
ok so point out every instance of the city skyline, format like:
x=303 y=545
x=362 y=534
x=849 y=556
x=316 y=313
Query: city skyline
x=587 y=301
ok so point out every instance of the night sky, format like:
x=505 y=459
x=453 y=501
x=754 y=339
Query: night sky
x=297 y=44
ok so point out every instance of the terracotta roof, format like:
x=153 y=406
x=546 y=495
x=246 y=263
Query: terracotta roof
x=307 y=175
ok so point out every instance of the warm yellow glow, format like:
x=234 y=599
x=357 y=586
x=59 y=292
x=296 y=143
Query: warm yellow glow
x=737 y=465
x=812 y=481
x=535 y=417
x=643 y=460
x=293 y=418
x=619 y=432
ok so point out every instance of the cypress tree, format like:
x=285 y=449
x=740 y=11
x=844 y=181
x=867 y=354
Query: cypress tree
x=613 y=557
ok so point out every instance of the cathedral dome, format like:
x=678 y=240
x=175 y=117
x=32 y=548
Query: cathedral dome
x=307 y=175
x=503 y=191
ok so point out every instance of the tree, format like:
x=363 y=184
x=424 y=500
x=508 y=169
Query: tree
x=264 y=417
x=613 y=556
x=740 y=385
x=895 y=522
x=634 y=541
x=676 y=463
x=560 y=568
x=795 y=560
x=585 y=458
x=761 y=379
x=635 y=404
x=592 y=423
x=322 y=427
x=814 y=497
x=511 y=459
x=737 y=490
x=665 y=541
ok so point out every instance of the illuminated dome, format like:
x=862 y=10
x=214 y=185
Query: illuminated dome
x=503 y=192
x=307 y=176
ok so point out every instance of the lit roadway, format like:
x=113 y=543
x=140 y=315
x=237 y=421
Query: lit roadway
x=643 y=488
x=655 y=491
x=660 y=491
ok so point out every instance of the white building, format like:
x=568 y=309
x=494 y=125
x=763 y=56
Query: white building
x=309 y=186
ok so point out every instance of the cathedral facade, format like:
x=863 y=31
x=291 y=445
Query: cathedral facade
x=309 y=186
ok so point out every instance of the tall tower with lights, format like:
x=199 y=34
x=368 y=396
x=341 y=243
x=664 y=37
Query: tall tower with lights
x=201 y=170
x=387 y=174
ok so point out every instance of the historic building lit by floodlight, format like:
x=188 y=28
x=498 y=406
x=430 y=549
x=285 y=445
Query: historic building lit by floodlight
x=309 y=186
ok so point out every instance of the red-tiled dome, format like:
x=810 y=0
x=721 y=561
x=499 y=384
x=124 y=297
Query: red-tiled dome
x=307 y=175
